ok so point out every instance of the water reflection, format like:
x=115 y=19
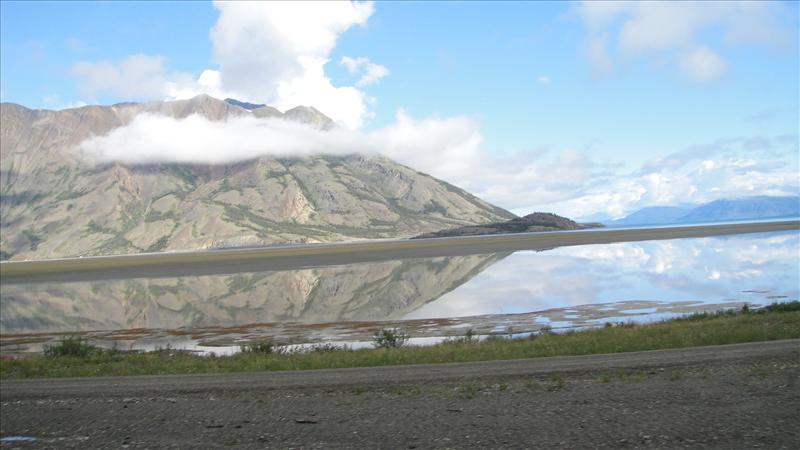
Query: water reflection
x=564 y=287
x=756 y=269
x=360 y=292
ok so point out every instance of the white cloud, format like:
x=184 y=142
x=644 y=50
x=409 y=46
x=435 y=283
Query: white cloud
x=543 y=79
x=370 y=71
x=268 y=52
x=673 y=31
x=702 y=64
x=448 y=146
x=275 y=53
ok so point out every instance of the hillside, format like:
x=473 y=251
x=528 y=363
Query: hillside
x=54 y=204
x=535 y=222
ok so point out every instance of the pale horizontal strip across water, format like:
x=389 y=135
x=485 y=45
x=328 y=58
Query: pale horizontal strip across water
x=237 y=260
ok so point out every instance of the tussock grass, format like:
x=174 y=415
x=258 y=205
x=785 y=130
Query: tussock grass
x=780 y=321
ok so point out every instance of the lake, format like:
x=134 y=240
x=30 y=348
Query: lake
x=432 y=298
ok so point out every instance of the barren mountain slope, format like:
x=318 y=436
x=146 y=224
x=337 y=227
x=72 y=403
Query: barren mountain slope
x=54 y=204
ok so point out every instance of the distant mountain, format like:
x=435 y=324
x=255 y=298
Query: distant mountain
x=54 y=204
x=757 y=207
x=535 y=222
x=761 y=207
x=653 y=215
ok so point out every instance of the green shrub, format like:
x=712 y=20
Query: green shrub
x=782 y=307
x=389 y=338
x=71 y=346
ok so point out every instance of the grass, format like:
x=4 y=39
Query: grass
x=770 y=323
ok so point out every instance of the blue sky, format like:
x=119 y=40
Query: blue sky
x=588 y=92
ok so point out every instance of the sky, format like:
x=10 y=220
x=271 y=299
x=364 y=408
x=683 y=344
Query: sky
x=584 y=109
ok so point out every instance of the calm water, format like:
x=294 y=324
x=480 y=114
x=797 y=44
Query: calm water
x=434 y=297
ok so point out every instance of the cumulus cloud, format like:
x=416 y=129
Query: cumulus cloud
x=673 y=31
x=267 y=52
x=275 y=53
x=370 y=72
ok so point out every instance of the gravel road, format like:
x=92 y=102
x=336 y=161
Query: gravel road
x=735 y=396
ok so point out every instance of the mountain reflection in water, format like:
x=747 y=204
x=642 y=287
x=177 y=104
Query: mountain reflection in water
x=570 y=286
x=359 y=292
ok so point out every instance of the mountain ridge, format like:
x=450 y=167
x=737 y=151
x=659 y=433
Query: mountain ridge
x=53 y=204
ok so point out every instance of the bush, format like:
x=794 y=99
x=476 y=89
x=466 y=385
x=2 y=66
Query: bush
x=326 y=348
x=70 y=346
x=258 y=347
x=783 y=307
x=389 y=338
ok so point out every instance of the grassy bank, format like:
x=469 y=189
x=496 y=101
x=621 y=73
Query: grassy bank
x=75 y=358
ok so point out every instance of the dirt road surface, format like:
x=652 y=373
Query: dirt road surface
x=735 y=396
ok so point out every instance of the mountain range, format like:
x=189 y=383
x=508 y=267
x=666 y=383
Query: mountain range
x=55 y=204
x=746 y=208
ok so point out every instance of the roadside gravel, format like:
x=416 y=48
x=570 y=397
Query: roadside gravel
x=737 y=396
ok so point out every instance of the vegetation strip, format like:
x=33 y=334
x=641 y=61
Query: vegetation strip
x=74 y=357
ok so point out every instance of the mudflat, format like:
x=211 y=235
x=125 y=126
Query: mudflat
x=733 y=396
